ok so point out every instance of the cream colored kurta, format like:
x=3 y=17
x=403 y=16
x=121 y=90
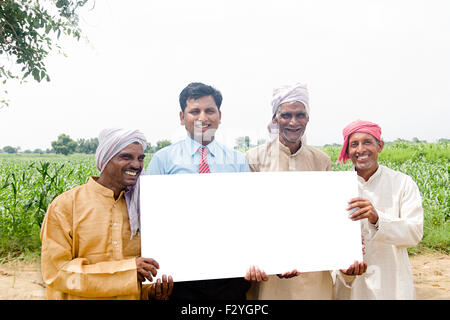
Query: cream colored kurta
x=274 y=156
x=86 y=248
x=398 y=202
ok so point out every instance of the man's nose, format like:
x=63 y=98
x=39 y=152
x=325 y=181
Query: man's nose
x=202 y=116
x=135 y=164
x=359 y=148
x=294 y=121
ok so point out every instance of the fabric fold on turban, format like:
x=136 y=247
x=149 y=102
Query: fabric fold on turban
x=358 y=126
x=111 y=142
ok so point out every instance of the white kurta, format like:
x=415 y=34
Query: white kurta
x=398 y=202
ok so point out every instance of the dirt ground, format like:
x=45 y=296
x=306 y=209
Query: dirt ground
x=23 y=281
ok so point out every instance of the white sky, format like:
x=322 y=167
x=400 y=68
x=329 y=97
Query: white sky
x=386 y=61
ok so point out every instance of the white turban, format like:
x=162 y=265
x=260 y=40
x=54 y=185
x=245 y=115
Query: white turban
x=285 y=94
x=110 y=143
x=290 y=93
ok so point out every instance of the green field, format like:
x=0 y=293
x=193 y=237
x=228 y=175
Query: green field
x=29 y=182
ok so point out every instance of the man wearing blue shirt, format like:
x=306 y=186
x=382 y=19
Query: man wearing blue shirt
x=201 y=153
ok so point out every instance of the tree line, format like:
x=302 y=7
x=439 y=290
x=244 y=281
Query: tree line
x=65 y=145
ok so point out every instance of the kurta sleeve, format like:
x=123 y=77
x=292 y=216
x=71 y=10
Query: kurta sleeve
x=407 y=229
x=252 y=160
x=76 y=276
x=343 y=279
x=328 y=167
x=145 y=290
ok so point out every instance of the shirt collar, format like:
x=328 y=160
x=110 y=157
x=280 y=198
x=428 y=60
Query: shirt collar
x=97 y=187
x=286 y=150
x=372 y=177
x=192 y=146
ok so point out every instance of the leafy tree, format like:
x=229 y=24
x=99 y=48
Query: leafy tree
x=417 y=140
x=9 y=149
x=162 y=144
x=242 y=143
x=149 y=148
x=25 y=35
x=260 y=142
x=87 y=146
x=64 y=145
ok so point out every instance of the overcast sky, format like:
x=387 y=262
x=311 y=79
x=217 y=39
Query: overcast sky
x=386 y=61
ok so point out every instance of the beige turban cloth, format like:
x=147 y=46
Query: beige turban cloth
x=285 y=94
x=110 y=143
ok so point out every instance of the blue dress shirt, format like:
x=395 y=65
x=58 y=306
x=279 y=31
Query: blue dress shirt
x=184 y=157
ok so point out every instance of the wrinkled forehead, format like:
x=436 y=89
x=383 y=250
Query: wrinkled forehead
x=293 y=107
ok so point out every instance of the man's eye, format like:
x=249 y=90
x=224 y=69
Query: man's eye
x=301 y=115
x=285 y=116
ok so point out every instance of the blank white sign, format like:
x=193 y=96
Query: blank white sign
x=217 y=225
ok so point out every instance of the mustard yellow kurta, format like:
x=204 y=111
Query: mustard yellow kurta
x=274 y=156
x=86 y=248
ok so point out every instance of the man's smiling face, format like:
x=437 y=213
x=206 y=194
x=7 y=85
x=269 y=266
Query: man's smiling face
x=201 y=118
x=124 y=168
x=292 y=120
x=363 y=150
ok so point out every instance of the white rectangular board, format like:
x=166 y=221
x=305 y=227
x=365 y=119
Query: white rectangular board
x=217 y=225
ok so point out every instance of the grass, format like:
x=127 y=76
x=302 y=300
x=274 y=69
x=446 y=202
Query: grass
x=428 y=165
x=29 y=182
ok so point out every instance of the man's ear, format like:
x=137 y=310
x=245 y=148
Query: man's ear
x=380 y=146
x=274 y=119
x=182 y=118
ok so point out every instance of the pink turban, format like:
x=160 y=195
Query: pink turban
x=358 y=126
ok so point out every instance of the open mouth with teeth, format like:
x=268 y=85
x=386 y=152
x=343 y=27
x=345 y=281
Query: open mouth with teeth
x=362 y=157
x=294 y=129
x=201 y=126
x=131 y=173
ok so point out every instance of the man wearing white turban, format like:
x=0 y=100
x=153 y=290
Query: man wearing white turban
x=90 y=242
x=289 y=152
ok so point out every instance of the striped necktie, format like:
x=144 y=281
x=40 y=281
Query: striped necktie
x=203 y=167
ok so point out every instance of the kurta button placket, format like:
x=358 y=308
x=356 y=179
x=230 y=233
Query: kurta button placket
x=116 y=232
x=291 y=164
